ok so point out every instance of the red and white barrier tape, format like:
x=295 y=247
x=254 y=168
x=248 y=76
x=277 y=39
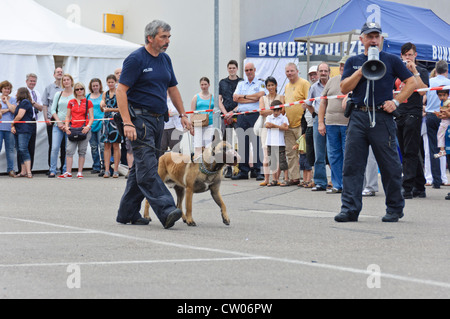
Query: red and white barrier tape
x=247 y=112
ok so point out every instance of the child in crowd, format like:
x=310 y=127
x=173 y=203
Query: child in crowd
x=304 y=163
x=277 y=124
x=445 y=102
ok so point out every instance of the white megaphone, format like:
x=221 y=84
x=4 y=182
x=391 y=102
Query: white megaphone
x=373 y=69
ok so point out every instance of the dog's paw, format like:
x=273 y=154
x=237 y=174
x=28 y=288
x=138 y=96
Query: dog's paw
x=226 y=221
x=191 y=223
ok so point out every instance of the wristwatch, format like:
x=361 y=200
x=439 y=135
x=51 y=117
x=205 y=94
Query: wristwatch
x=397 y=103
x=417 y=74
x=183 y=115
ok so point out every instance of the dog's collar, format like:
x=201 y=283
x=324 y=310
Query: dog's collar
x=205 y=171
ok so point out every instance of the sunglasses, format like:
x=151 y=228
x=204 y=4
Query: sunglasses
x=79 y=89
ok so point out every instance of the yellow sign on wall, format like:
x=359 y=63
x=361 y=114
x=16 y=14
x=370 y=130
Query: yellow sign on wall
x=113 y=23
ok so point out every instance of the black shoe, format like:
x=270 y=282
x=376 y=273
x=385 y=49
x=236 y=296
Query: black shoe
x=253 y=174
x=94 y=171
x=141 y=222
x=260 y=177
x=407 y=195
x=346 y=217
x=229 y=172
x=447 y=197
x=102 y=172
x=172 y=218
x=239 y=176
x=420 y=194
x=437 y=186
x=392 y=217
x=318 y=189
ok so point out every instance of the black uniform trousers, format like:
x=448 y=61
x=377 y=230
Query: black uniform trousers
x=143 y=180
x=383 y=140
x=409 y=127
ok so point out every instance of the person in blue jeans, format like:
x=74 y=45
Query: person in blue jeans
x=23 y=131
x=320 y=141
x=59 y=111
x=97 y=147
x=147 y=76
x=333 y=123
x=7 y=109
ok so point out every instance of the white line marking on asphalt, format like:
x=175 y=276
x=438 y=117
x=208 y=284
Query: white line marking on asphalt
x=49 y=233
x=245 y=255
x=129 y=262
x=303 y=213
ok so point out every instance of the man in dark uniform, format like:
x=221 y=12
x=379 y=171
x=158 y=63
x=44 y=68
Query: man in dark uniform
x=377 y=107
x=227 y=106
x=409 y=126
x=146 y=78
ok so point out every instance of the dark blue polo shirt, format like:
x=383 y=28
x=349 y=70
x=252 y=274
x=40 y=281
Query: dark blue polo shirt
x=28 y=116
x=395 y=68
x=148 y=78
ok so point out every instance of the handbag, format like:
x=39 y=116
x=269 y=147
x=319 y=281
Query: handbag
x=302 y=144
x=201 y=119
x=76 y=133
x=258 y=126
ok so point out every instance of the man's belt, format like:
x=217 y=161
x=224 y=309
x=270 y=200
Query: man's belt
x=365 y=108
x=139 y=111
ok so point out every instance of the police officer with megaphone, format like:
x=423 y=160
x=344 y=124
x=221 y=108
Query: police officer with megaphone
x=370 y=77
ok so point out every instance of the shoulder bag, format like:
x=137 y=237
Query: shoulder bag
x=201 y=119
x=76 y=133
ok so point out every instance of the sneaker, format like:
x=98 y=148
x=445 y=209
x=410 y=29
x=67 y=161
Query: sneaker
x=334 y=191
x=80 y=176
x=65 y=175
x=367 y=193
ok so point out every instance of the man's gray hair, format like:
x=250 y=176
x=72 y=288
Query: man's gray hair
x=152 y=29
x=441 y=67
x=31 y=75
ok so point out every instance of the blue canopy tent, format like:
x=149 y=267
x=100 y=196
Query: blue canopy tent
x=402 y=23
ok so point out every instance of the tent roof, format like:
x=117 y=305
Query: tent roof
x=29 y=28
x=403 y=23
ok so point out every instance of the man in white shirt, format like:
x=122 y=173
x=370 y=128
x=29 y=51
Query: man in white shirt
x=247 y=96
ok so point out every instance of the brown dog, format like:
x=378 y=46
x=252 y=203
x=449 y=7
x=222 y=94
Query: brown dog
x=188 y=177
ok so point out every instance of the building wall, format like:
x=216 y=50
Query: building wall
x=192 y=47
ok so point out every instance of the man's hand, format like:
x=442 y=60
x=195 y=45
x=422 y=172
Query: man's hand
x=186 y=123
x=130 y=132
x=389 y=106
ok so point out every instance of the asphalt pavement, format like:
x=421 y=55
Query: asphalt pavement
x=59 y=239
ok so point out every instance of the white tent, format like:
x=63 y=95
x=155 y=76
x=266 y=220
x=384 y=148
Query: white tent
x=31 y=36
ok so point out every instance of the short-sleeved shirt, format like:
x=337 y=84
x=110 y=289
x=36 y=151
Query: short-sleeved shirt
x=7 y=117
x=295 y=92
x=414 y=104
x=148 y=79
x=249 y=88
x=433 y=102
x=49 y=95
x=395 y=68
x=29 y=116
x=226 y=90
x=314 y=92
x=275 y=137
x=335 y=113
x=80 y=115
